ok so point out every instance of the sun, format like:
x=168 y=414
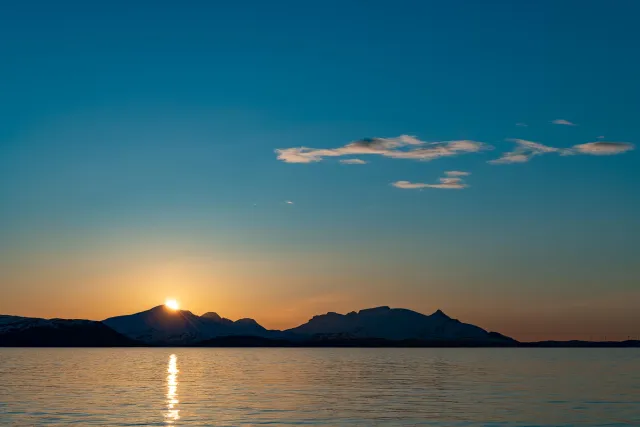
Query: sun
x=172 y=304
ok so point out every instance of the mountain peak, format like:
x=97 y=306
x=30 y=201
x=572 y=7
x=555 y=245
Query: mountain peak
x=439 y=314
x=246 y=321
x=163 y=309
x=375 y=310
x=212 y=315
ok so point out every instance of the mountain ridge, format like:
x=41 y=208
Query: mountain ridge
x=394 y=324
x=370 y=327
x=16 y=331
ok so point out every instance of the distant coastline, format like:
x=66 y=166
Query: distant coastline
x=162 y=326
x=257 y=342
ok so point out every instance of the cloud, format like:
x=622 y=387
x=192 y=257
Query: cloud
x=602 y=148
x=510 y=158
x=563 y=122
x=289 y=202
x=451 y=182
x=524 y=151
x=401 y=147
x=409 y=185
x=457 y=173
x=353 y=162
x=601 y=137
x=524 y=125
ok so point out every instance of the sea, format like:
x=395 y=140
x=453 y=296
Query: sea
x=319 y=387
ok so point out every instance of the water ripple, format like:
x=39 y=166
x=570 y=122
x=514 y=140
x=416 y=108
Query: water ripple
x=319 y=387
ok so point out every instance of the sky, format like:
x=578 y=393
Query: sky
x=282 y=159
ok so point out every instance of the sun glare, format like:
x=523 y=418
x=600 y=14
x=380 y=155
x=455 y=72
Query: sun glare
x=172 y=304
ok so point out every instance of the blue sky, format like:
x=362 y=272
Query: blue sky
x=149 y=131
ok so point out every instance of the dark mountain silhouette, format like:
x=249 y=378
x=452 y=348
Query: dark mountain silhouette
x=216 y=318
x=160 y=326
x=394 y=324
x=18 y=331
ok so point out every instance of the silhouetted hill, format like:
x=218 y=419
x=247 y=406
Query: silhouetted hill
x=215 y=317
x=161 y=325
x=394 y=324
x=18 y=331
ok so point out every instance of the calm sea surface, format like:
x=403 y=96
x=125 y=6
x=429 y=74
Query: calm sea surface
x=364 y=387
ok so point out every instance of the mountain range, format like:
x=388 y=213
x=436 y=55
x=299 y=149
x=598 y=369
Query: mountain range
x=162 y=326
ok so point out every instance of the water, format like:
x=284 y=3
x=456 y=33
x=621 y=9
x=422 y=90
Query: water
x=232 y=387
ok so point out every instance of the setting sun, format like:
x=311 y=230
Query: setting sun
x=172 y=304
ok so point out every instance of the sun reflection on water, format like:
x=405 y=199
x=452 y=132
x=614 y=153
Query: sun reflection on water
x=172 y=413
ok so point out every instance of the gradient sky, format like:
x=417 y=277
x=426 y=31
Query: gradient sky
x=138 y=160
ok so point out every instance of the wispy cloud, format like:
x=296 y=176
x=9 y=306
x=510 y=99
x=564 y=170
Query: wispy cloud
x=457 y=173
x=289 y=202
x=601 y=137
x=401 y=147
x=524 y=125
x=602 y=148
x=451 y=182
x=524 y=151
x=563 y=122
x=406 y=185
x=353 y=162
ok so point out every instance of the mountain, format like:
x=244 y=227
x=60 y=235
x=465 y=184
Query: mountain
x=161 y=325
x=372 y=327
x=381 y=326
x=18 y=331
x=394 y=324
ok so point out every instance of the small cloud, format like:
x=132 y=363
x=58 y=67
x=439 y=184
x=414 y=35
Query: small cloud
x=524 y=151
x=457 y=173
x=289 y=202
x=406 y=185
x=524 y=125
x=563 y=122
x=602 y=148
x=448 y=183
x=601 y=137
x=510 y=158
x=353 y=162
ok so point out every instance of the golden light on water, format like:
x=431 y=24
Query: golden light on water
x=172 y=414
x=172 y=304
